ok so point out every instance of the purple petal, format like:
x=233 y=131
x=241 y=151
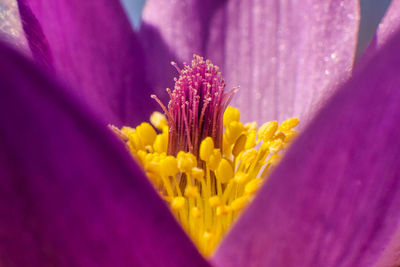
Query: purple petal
x=286 y=57
x=334 y=200
x=91 y=45
x=174 y=31
x=70 y=193
x=183 y=25
x=391 y=257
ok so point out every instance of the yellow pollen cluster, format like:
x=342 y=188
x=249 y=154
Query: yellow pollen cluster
x=208 y=191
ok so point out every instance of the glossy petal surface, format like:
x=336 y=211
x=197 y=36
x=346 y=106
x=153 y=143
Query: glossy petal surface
x=70 y=193
x=333 y=200
x=285 y=56
x=91 y=45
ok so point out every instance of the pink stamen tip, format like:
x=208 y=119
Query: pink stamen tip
x=176 y=66
x=196 y=108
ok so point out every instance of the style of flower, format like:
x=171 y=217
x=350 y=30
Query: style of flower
x=71 y=195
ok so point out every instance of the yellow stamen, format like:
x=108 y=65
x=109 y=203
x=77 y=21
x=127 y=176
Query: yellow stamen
x=224 y=172
x=206 y=149
x=231 y=114
x=208 y=191
x=146 y=133
x=158 y=120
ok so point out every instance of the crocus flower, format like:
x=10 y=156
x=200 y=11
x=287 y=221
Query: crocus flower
x=71 y=195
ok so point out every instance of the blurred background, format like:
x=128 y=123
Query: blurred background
x=371 y=13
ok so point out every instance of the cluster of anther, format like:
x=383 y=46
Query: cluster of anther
x=196 y=106
x=206 y=176
x=206 y=198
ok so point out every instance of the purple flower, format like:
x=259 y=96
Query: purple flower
x=71 y=195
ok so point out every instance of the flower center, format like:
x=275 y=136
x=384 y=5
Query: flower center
x=206 y=176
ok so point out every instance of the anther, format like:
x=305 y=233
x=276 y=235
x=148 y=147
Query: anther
x=178 y=203
x=289 y=124
x=224 y=172
x=205 y=175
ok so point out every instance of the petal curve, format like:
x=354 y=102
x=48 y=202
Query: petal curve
x=91 y=45
x=70 y=193
x=333 y=200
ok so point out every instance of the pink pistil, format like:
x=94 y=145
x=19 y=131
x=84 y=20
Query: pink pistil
x=196 y=108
